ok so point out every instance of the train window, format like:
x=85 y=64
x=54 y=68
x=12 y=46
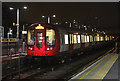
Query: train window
x=39 y=39
x=91 y=38
x=82 y=38
x=106 y=38
x=75 y=39
x=50 y=37
x=110 y=37
x=88 y=39
x=78 y=38
x=101 y=38
x=66 y=39
x=97 y=38
x=30 y=37
x=70 y=38
x=94 y=38
x=61 y=39
x=85 y=38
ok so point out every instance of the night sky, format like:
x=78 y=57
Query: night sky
x=103 y=16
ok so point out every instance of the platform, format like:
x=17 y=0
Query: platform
x=105 y=69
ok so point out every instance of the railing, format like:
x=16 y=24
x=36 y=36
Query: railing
x=12 y=43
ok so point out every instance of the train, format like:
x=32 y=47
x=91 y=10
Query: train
x=45 y=40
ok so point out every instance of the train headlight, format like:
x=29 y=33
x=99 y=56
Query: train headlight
x=48 y=48
x=31 y=48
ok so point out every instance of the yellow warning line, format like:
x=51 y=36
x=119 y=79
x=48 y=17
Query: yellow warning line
x=95 y=67
x=93 y=61
x=104 y=70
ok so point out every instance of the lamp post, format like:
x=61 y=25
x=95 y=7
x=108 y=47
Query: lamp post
x=18 y=23
x=18 y=18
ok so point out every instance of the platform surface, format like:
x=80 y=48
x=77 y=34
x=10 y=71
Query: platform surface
x=105 y=69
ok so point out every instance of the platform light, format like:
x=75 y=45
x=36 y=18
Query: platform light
x=54 y=15
x=43 y=16
x=66 y=22
x=56 y=23
x=85 y=28
x=14 y=24
x=92 y=30
x=11 y=8
x=25 y=7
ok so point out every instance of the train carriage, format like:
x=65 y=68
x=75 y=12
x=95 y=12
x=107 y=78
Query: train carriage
x=50 y=40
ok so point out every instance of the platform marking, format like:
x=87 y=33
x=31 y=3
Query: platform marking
x=104 y=70
x=89 y=68
x=91 y=64
x=95 y=67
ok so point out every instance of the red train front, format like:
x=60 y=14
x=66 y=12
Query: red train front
x=42 y=40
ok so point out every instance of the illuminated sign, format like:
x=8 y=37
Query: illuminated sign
x=98 y=35
x=113 y=37
x=8 y=40
x=24 y=32
x=75 y=33
x=39 y=27
x=105 y=35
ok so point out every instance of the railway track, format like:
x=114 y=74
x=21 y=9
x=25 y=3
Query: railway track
x=39 y=71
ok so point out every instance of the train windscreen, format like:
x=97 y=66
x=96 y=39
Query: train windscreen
x=30 y=37
x=50 y=39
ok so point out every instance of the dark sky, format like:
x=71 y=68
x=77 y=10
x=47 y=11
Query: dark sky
x=107 y=13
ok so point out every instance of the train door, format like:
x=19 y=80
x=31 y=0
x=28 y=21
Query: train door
x=70 y=43
x=40 y=41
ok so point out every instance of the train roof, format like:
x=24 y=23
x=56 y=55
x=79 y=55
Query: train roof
x=63 y=28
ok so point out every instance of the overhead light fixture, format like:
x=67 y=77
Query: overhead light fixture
x=11 y=8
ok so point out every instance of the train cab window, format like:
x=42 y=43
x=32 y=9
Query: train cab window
x=75 y=39
x=39 y=39
x=66 y=39
x=50 y=39
x=30 y=37
x=78 y=38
